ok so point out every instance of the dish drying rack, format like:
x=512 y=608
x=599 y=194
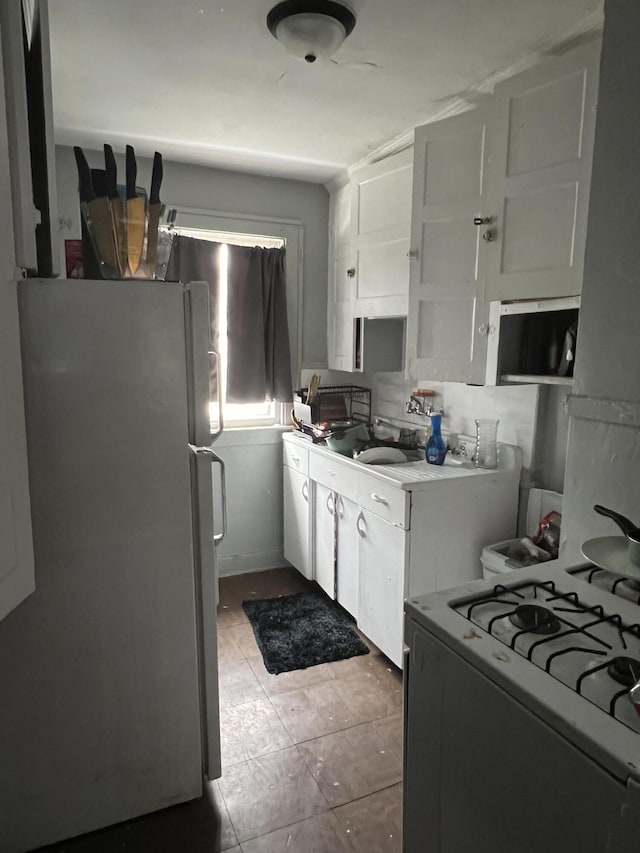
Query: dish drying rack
x=332 y=406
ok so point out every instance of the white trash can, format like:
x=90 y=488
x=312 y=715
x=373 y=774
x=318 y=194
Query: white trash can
x=494 y=557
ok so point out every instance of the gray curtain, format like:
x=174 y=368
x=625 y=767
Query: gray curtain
x=197 y=260
x=259 y=362
x=259 y=365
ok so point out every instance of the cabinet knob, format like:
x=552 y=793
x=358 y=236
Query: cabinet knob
x=490 y=235
x=351 y=272
x=482 y=220
x=412 y=254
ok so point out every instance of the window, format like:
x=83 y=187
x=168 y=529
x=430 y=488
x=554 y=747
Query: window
x=247 y=414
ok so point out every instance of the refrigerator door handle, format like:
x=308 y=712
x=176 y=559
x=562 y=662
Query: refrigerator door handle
x=215 y=459
x=216 y=435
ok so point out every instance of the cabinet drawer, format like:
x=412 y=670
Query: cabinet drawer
x=296 y=457
x=335 y=475
x=386 y=501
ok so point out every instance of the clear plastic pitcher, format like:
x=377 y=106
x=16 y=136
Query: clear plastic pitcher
x=486 y=455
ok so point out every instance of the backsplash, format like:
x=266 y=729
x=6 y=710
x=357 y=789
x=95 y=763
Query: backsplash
x=515 y=406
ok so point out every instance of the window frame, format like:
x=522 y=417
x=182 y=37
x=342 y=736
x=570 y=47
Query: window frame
x=291 y=232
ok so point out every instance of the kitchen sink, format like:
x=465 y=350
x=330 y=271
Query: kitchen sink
x=418 y=455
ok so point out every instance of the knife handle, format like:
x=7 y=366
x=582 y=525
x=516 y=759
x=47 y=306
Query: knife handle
x=111 y=171
x=132 y=171
x=85 y=186
x=156 y=179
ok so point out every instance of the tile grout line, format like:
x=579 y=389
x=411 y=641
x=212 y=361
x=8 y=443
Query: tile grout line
x=226 y=808
x=364 y=796
x=278 y=828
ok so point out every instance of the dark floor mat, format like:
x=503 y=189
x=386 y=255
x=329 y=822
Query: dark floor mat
x=302 y=630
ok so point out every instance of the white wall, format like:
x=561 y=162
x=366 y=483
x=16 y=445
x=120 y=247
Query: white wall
x=552 y=437
x=230 y=192
x=603 y=462
x=253 y=459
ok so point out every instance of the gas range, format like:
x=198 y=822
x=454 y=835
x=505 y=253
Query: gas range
x=565 y=643
x=518 y=714
x=587 y=647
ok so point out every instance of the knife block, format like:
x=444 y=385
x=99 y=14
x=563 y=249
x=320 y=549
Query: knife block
x=94 y=266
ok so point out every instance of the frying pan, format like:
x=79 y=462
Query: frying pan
x=630 y=530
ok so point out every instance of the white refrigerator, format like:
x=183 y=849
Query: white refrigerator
x=108 y=671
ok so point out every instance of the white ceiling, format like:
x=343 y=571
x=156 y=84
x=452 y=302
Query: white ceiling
x=202 y=81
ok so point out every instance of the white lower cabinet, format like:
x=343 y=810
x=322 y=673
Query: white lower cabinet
x=335 y=546
x=324 y=531
x=381 y=571
x=371 y=540
x=347 y=555
x=297 y=517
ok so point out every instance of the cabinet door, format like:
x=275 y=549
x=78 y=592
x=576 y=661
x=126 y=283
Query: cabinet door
x=447 y=323
x=16 y=545
x=543 y=132
x=340 y=308
x=324 y=535
x=297 y=520
x=347 y=555
x=381 y=225
x=341 y=343
x=381 y=570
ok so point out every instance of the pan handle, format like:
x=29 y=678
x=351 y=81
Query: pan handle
x=627 y=526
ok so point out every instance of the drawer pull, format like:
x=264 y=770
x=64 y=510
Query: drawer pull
x=340 y=506
x=379 y=499
x=331 y=503
x=305 y=490
x=359 y=519
x=295 y=459
x=331 y=473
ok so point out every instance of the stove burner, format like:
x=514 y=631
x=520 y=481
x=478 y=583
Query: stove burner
x=534 y=618
x=625 y=671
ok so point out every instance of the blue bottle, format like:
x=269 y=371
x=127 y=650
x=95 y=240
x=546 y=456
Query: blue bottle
x=436 y=449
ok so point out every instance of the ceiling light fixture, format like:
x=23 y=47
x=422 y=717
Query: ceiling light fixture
x=310 y=29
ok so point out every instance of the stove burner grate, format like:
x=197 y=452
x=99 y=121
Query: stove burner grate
x=534 y=618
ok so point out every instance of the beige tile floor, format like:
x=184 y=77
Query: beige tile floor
x=312 y=759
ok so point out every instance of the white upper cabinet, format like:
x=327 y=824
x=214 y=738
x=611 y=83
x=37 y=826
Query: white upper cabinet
x=447 y=322
x=380 y=227
x=340 y=308
x=543 y=130
x=16 y=546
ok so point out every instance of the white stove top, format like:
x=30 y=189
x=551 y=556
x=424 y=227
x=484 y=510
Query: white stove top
x=586 y=647
x=569 y=663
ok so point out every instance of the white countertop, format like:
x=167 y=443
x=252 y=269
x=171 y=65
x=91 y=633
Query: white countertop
x=414 y=476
